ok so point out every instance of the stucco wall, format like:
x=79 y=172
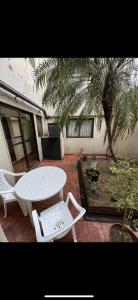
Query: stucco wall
x=4 y=154
x=93 y=145
x=83 y=145
x=18 y=73
x=5 y=161
x=128 y=146
x=96 y=144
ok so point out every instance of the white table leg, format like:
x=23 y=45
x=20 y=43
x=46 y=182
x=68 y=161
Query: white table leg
x=29 y=207
x=23 y=206
x=61 y=195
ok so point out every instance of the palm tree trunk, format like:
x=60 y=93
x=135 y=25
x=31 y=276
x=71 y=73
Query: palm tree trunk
x=107 y=103
x=110 y=139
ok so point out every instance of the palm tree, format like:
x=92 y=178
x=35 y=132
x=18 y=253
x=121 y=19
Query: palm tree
x=96 y=85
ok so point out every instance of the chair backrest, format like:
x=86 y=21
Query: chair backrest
x=2 y=235
x=4 y=184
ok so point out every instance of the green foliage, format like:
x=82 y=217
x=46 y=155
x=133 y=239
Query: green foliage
x=123 y=182
x=125 y=113
x=135 y=222
x=93 y=165
x=92 y=184
x=73 y=83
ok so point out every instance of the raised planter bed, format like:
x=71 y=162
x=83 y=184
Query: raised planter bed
x=100 y=202
x=93 y=174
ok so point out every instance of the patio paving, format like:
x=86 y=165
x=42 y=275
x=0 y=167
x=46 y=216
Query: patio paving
x=19 y=229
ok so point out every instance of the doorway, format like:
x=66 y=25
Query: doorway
x=19 y=132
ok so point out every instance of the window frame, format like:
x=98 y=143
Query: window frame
x=78 y=136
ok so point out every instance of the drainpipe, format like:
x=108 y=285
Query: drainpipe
x=9 y=89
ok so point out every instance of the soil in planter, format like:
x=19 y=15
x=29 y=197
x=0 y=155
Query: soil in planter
x=100 y=198
x=100 y=201
x=117 y=236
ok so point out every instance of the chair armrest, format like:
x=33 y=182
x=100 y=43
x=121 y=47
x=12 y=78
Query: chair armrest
x=74 y=202
x=3 y=237
x=5 y=172
x=6 y=192
x=17 y=174
x=39 y=236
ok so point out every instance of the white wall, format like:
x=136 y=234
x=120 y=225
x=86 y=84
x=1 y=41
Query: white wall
x=18 y=73
x=93 y=145
x=38 y=140
x=96 y=144
x=5 y=161
x=128 y=146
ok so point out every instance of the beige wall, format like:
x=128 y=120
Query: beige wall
x=128 y=146
x=93 y=145
x=18 y=73
x=38 y=140
x=96 y=144
x=5 y=161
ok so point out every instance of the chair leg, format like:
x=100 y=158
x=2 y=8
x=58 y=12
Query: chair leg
x=74 y=234
x=5 y=209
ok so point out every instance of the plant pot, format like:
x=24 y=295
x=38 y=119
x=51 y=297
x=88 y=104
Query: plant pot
x=84 y=157
x=93 y=190
x=115 y=197
x=93 y=175
x=116 y=233
x=133 y=227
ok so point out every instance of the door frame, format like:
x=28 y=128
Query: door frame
x=20 y=111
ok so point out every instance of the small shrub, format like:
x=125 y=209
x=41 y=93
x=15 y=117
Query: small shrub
x=123 y=183
x=135 y=222
x=92 y=184
x=93 y=165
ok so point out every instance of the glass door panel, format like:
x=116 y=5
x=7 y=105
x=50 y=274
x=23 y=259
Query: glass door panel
x=20 y=137
x=29 y=138
x=11 y=127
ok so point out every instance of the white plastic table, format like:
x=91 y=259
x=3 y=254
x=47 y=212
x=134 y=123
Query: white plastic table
x=40 y=184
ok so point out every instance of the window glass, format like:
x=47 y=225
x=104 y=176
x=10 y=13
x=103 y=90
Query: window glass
x=85 y=130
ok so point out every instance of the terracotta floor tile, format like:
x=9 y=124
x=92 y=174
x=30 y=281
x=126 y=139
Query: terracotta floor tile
x=19 y=229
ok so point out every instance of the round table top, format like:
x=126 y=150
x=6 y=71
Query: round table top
x=40 y=183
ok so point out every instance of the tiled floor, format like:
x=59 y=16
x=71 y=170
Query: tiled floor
x=21 y=165
x=19 y=229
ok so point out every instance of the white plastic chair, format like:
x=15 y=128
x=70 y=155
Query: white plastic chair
x=7 y=191
x=2 y=235
x=56 y=221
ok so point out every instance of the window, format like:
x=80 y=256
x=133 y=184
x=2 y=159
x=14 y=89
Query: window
x=84 y=131
x=39 y=125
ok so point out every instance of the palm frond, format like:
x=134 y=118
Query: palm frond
x=73 y=84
